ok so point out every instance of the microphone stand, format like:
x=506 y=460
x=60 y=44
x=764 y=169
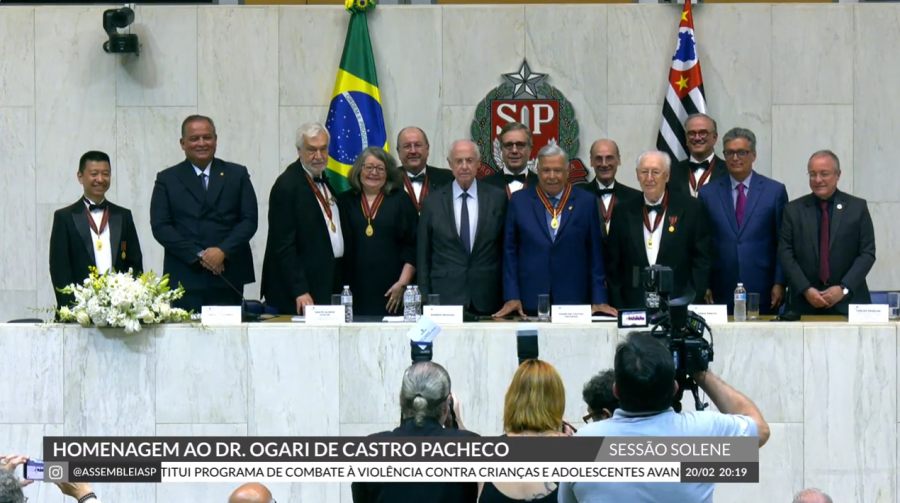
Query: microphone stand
x=789 y=313
x=245 y=315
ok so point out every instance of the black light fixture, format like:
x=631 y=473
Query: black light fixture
x=113 y=20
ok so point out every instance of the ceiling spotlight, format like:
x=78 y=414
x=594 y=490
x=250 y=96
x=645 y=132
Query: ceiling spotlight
x=113 y=20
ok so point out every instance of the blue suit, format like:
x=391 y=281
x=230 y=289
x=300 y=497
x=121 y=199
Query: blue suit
x=569 y=268
x=746 y=254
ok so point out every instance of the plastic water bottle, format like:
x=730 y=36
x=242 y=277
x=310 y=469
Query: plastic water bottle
x=409 y=304
x=418 y=301
x=347 y=302
x=740 y=303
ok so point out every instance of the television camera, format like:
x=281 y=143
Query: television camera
x=681 y=330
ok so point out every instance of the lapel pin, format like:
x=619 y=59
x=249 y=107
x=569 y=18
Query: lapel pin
x=840 y=206
x=570 y=208
x=221 y=173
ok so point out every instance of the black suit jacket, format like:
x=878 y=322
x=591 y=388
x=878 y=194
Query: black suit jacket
x=470 y=280
x=680 y=179
x=72 y=248
x=622 y=194
x=187 y=220
x=852 y=251
x=437 y=178
x=687 y=250
x=498 y=180
x=299 y=257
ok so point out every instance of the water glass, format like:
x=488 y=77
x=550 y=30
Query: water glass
x=543 y=307
x=894 y=305
x=752 y=306
x=336 y=299
x=434 y=299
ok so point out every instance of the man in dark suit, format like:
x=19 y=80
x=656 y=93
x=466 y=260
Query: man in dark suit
x=745 y=211
x=305 y=245
x=92 y=232
x=460 y=242
x=553 y=244
x=702 y=166
x=204 y=212
x=419 y=178
x=663 y=228
x=606 y=160
x=827 y=243
x=515 y=141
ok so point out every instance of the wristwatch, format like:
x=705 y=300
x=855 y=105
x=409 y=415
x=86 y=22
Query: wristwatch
x=845 y=290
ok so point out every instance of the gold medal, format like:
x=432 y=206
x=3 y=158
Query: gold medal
x=123 y=255
x=369 y=230
x=99 y=245
x=671 y=228
x=650 y=242
x=333 y=228
x=554 y=223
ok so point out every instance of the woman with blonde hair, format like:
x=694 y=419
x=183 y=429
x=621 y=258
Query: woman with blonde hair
x=534 y=406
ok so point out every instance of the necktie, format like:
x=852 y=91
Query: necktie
x=698 y=165
x=515 y=178
x=824 y=237
x=97 y=207
x=464 y=233
x=418 y=178
x=741 y=205
x=320 y=179
x=205 y=180
x=654 y=207
x=606 y=192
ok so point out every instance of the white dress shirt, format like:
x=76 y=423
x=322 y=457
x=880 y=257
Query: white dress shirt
x=337 y=238
x=698 y=172
x=103 y=256
x=514 y=186
x=472 y=203
x=653 y=249
x=606 y=198
x=416 y=184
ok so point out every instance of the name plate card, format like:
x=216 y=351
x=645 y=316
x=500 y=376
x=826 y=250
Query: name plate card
x=324 y=315
x=221 y=315
x=868 y=313
x=714 y=314
x=570 y=315
x=444 y=314
x=425 y=330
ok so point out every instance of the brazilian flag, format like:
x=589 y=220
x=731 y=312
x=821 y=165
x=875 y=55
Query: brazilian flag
x=355 y=117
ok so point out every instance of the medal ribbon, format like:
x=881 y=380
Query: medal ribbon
x=412 y=191
x=370 y=212
x=555 y=213
x=103 y=221
x=659 y=215
x=322 y=201
x=607 y=213
x=509 y=191
x=695 y=186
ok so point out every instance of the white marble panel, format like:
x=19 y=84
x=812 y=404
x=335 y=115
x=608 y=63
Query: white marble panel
x=165 y=73
x=75 y=95
x=577 y=73
x=811 y=39
x=290 y=119
x=45 y=297
x=884 y=276
x=109 y=382
x=736 y=81
x=642 y=39
x=28 y=440
x=800 y=130
x=34 y=374
x=201 y=375
x=780 y=469
x=409 y=68
x=197 y=491
x=850 y=454
x=293 y=381
x=17 y=67
x=18 y=204
x=238 y=87
x=457 y=122
x=310 y=44
x=21 y=304
x=479 y=44
x=876 y=101
x=634 y=129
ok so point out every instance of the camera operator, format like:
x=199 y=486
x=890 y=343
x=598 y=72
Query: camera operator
x=426 y=406
x=646 y=388
x=599 y=396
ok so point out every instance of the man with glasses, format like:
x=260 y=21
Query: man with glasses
x=419 y=178
x=702 y=166
x=745 y=211
x=516 y=141
x=664 y=228
x=827 y=243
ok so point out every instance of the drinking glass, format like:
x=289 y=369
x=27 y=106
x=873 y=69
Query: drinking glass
x=752 y=306
x=543 y=307
x=434 y=299
x=335 y=299
x=894 y=305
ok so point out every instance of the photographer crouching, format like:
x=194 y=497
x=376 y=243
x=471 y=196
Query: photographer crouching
x=647 y=386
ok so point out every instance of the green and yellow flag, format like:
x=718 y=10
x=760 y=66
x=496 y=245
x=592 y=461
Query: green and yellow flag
x=355 y=117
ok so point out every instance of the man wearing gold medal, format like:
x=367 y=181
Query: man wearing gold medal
x=665 y=228
x=92 y=232
x=305 y=245
x=419 y=179
x=703 y=166
x=553 y=243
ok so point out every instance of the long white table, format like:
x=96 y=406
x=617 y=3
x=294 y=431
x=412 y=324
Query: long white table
x=829 y=390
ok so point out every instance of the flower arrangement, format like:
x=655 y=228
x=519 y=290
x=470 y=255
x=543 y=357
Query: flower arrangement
x=119 y=300
x=359 y=6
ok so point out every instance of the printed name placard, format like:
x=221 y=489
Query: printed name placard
x=444 y=314
x=714 y=314
x=324 y=315
x=425 y=330
x=220 y=315
x=869 y=313
x=568 y=315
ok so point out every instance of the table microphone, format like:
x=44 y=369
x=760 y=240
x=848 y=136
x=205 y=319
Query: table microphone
x=245 y=315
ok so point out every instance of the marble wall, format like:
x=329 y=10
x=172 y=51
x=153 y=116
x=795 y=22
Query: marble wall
x=802 y=76
x=830 y=391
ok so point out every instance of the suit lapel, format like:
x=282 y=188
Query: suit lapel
x=672 y=212
x=756 y=190
x=812 y=226
x=451 y=216
x=80 y=216
x=836 y=219
x=567 y=210
x=115 y=234
x=636 y=232
x=727 y=205
x=192 y=182
x=540 y=212
x=216 y=181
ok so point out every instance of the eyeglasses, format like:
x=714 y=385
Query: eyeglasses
x=728 y=154
x=518 y=144
x=654 y=174
x=822 y=175
x=368 y=168
x=698 y=134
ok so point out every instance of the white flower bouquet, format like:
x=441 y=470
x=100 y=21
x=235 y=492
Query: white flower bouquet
x=119 y=300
